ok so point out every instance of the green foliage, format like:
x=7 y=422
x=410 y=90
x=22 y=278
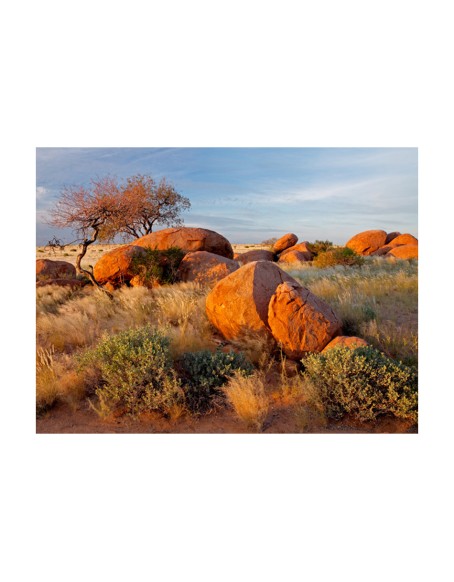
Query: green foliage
x=158 y=266
x=320 y=246
x=135 y=371
x=364 y=383
x=204 y=372
x=341 y=256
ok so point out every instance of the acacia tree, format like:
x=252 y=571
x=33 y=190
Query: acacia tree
x=93 y=213
x=148 y=203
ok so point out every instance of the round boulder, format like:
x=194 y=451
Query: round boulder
x=238 y=305
x=365 y=243
x=295 y=257
x=188 y=240
x=285 y=242
x=45 y=268
x=256 y=255
x=345 y=341
x=300 y=321
x=205 y=268
x=117 y=266
x=403 y=239
x=302 y=247
x=404 y=252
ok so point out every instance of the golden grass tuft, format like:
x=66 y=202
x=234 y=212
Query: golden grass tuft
x=246 y=395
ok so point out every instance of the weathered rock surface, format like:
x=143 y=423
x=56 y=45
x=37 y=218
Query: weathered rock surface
x=404 y=252
x=391 y=236
x=238 y=305
x=365 y=243
x=404 y=239
x=300 y=321
x=188 y=239
x=295 y=257
x=285 y=242
x=256 y=255
x=381 y=251
x=344 y=341
x=54 y=269
x=205 y=268
x=302 y=247
x=117 y=266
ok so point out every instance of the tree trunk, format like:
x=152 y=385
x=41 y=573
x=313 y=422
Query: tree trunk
x=80 y=271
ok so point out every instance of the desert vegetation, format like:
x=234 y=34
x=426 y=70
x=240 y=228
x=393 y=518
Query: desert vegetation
x=150 y=354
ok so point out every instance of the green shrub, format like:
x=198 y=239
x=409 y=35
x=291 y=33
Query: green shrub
x=364 y=383
x=157 y=265
x=204 y=372
x=320 y=246
x=135 y=371
x=341 y=256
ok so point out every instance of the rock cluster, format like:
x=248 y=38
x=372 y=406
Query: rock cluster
x=379 y=243
x=261 y=299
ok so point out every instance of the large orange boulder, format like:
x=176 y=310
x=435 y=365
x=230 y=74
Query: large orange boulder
x=365 y=243
x=345 y=341
x=300 y=321
x=295 y=257
x=404 y=252
x=187 y=239
x=205 y=268
x=285 y=242
x=404 y=239
x=45 y=268
x=302 y=247
x=118 y=266
x=238 y=305
x=256 y=255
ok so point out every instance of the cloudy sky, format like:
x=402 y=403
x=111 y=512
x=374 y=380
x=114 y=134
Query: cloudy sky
x=251 y=194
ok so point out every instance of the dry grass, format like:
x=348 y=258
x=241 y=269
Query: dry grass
x=70 y=320
x=246 y=395
x=378 y=301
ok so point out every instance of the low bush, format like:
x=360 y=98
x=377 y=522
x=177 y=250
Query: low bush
x=136 y=372
x=246 y=395
x=204 y=373
x=364 y=383
x=320 y=246
x=158 y=266
x=341 y=256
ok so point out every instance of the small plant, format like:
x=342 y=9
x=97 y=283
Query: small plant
x=269 y=241
x=364 y=383
x=246 y=395
x=320 y=246
x=341 y=256
x=40 y=251
x=158 y=266
x=136 y=372
x=204 y=372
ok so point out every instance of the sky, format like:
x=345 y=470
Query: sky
x=252 y=194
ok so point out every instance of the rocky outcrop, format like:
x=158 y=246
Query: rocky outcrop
x=302 y=247
x=256 y=255
x=344 y=341
x=365 y=243
x=404 y=252
x=187 y=239
x=391 y=236
x=45 y=268
x=118 y=266
x=300 y=321
x=285 y=242
x=238 y=305
x=205 y=268
x=295 y=257
x=403 y=239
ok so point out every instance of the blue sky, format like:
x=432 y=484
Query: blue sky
x=251 y=194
